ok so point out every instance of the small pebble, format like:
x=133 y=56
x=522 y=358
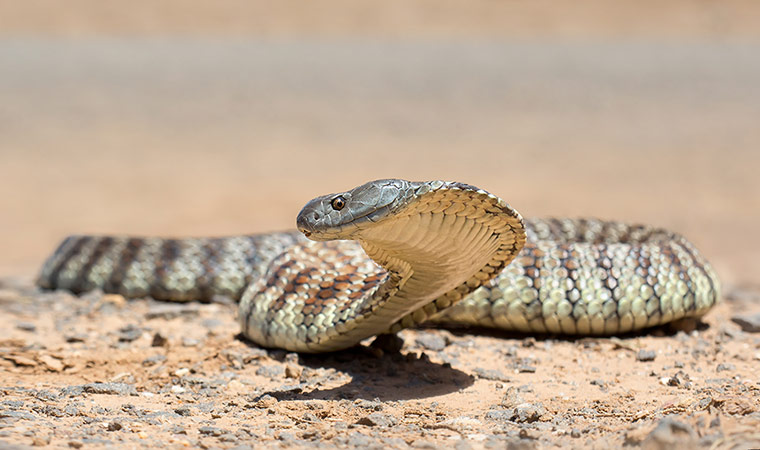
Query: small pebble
x=211 y=431
x=184 y=410
x=26 y=326
x=190 y=342
x=76 y=337
x=377 y=420
x=431 y=341
x=130 y=333
x=749 y=323
x=159 y=340
x=153 y=360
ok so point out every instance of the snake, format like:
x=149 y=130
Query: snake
x=392 y=254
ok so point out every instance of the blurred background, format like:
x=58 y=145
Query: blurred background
x=190 y=117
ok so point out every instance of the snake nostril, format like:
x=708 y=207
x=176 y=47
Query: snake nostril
x=316 y=216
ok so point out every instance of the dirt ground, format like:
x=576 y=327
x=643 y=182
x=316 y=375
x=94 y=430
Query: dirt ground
x=219 y=118
x=99 y=371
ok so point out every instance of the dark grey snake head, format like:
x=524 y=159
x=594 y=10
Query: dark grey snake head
x=342 y=215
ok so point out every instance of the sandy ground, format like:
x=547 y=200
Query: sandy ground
x=217 y=118
x=99 y=371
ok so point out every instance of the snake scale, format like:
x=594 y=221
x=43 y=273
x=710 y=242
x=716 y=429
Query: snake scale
x=392 y=254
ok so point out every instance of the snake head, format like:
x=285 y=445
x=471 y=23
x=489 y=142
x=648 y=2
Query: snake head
x=343 y=215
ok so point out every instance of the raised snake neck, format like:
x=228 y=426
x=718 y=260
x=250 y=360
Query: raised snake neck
x=431 y=245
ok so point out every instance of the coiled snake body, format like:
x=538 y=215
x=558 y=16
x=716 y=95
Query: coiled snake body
x=392 y=254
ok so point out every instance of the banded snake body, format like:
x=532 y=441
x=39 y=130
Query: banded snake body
x=392 y=254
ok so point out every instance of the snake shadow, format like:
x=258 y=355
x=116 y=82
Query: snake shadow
x=382 y=372
x=384 y=375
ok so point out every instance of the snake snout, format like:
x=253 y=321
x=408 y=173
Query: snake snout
x=305 y=222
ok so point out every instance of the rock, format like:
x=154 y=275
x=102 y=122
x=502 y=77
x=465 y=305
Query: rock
x=431 y=341
x=523 y=413
x=51 y=363
x=75 y=337
x=748 y=322
x=369 y=404
x=723 y=367
x=26 y=326
x=267 y=401
x=310 y=417
x=190 y=342
x=271 y=371
x=130 y=333
x=184 y=410
x=52 y=411
x=510 y=351
x=491 y=374
x=680 y=379
x=670 y=434
x=153 y=360
x=114 y=426
x=212 y=431
x=21 y=361
x=159 y=340
x=101 y=388
x=110 y=388
x=170 y=311
x=646 y=355
x=528 y=412
x=293 y=371
x=500 y=415
x=460 y=423
x=16 y=415
x=737 y=406
x=525 y=368
x=377 y=420
x=511 y=398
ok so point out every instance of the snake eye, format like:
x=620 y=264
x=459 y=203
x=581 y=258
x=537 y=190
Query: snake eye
x=338 y=203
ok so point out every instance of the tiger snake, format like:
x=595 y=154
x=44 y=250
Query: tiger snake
x=392 y=254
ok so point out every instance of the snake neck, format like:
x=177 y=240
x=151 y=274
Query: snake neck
x=447 y=241
x=441 y=248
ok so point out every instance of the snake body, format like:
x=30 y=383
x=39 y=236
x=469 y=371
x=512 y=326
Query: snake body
x=392 y=254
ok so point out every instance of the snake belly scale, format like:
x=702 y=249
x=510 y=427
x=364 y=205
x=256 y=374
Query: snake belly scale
x=392 y=254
